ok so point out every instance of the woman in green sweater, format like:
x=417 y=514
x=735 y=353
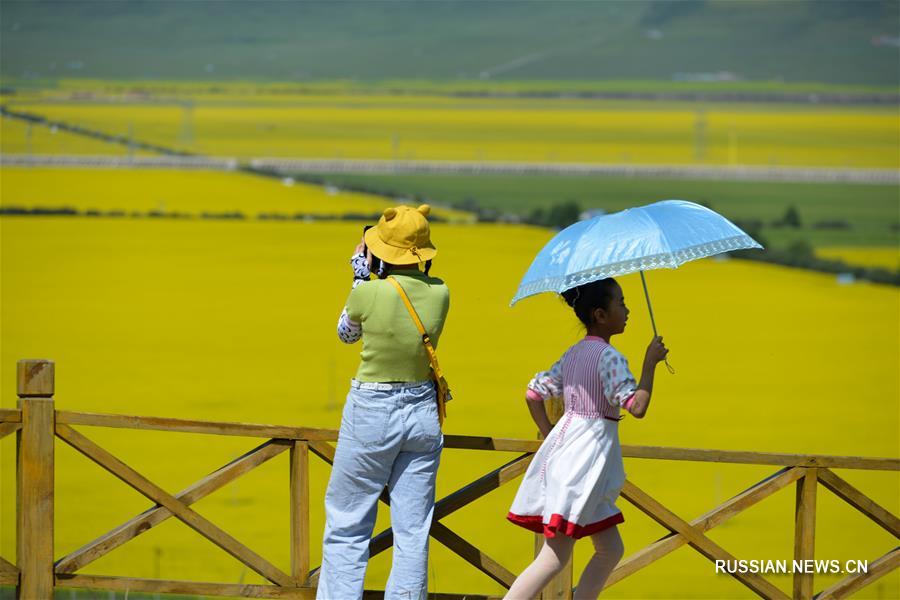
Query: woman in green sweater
x=390 y=430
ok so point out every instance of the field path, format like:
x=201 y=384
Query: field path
x=289 y=166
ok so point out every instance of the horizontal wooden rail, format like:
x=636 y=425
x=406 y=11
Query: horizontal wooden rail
x=475 y=442
x=10 y=415
x=133 y=584
x=762 y=458
x=159 y=586
x=468 y=442
x=192 y=426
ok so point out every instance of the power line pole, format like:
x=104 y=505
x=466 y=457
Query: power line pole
x=186 y=136
x=700 y=136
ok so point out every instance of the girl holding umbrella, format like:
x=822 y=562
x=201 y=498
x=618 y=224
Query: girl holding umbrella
x=570 y=488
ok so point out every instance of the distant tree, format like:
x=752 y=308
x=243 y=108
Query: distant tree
x=791 y=217
x=468 y=204
x=832 y=224
x=536 y=216
x=801 y=250
x=563 y=214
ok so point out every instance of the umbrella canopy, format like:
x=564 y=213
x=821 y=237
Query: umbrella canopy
x=664 y=234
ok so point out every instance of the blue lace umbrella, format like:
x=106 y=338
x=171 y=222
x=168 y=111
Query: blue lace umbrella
x=661 y=235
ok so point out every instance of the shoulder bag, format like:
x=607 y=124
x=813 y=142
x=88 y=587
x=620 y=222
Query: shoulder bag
x=440 y=382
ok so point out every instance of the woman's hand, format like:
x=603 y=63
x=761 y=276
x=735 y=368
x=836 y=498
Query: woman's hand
x=360 y=246
x=362 y=268
x=656 y=351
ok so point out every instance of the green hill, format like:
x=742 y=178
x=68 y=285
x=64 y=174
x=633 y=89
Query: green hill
x=827 y=41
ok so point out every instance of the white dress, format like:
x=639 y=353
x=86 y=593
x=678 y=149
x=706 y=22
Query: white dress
x=576 y=475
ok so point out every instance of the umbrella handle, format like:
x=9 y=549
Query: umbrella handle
x=652 y=320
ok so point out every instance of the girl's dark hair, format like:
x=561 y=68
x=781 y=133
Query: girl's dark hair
x=585 y=299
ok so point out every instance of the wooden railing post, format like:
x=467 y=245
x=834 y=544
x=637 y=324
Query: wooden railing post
x=560 y=587
x=805 y=532
x=300 y=511
x=34 y=480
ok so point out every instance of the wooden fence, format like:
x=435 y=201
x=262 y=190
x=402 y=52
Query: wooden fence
x=37 y=572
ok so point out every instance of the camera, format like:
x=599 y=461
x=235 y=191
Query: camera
x=376 y=262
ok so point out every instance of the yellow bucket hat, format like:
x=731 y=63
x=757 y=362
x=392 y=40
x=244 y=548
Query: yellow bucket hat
x=402 y=236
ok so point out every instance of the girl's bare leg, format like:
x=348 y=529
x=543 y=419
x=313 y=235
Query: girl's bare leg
x=608 y=551
x=550 y=560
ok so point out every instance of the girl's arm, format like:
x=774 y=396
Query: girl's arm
x=543 y=386
x=539 y=414
x=640 y=402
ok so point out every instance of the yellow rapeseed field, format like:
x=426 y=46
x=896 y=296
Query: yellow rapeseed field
x=883 y=257
x=191 y=192
x=538 y=130
x=18 y=137
x=236 y=322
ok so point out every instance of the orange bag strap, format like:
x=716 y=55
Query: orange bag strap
x=429 y=349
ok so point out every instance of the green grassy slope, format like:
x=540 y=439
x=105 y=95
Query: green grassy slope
x=871 y=211
x=826 y=41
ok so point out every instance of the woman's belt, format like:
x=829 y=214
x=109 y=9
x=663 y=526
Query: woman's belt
x=386 y=386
